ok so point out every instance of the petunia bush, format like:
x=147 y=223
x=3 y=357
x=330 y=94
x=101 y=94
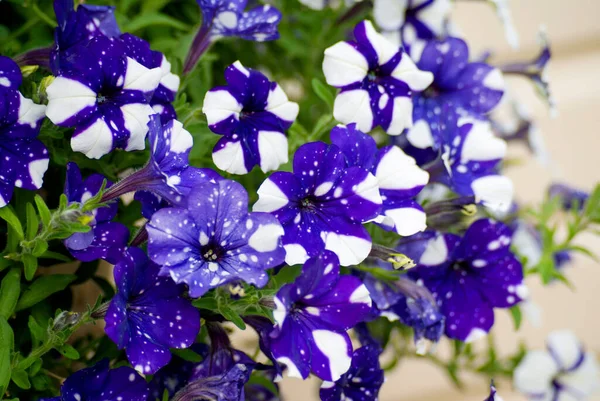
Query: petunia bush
x=328 y=176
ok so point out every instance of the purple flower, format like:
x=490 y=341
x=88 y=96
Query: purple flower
x=493 y=394
x=165 y=93
x=24 y=159
x=106 y=97
x=322 y=205
x=223 y=18
x=469 y=276
x=361 y=382
x=569 y=196
x=252 y=113
x=398 y=177
x=148 y=315
x=107 y=239
x=410 y=303
x=99 y=382
x=412 y=21
x=76 y=28
x=377 y=80
x=215 y=240
x=312 y=316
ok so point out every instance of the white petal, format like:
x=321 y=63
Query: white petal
x=333 y=346
x=369 y=189
x=292 y=370
x=475 y=334
x=37 y=168
x=343 y=65
x=351 y=250
x=314 y=4
x=535 y=373
x=435 y=253
x=397 y=170
x=384 y=48
x=266 y=238
x=295 y=254
x=407 y=220
x=564 y=346
x=389 y=14
x=136 y=117
x=168 y=79
x=270 y=197
x=95 y=141
x=419 y=135
x=494 y=80
x=29 y=112
x=220 y=105
x=228 y=19
x=230 y=158
x=401 y=115
x=181 y=139
x=481 y=143
x=66 y=98
x=435 y=15
x=407 y=71
x=586 y=378
x=280 y=312
x=138 y=77
x=494 y=191
x=238 y=66
x=354 y=106
x=278 y=104
x=361 y=296
x=273 y=150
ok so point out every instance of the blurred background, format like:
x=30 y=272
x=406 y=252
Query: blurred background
x=573 y=141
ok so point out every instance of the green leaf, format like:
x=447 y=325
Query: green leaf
x=517 y=316
x=232 y=316
x=21 y=379
x=30 y=263
x=38 y=333
x=55 y=256
x=9 y=292
x=35 y=367
x=33 y=223
x=187 y=355
x=8 y=214
x=324 y=92
x=43 y=287
x=206 y=303
x=7 y=344
x=39 y=248
x=68 y=351
x=43 y=210
x=153 y=20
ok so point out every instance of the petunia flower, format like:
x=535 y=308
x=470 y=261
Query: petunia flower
x=252 y=113
x=377 y=80
x=361 y=382
x=214 y=240
x=413 y=20
x=459 y=88
x=469 y=163
x=106 y=239
x=322 y=205
x=527 y=242
x=312 y=316
x=105 y=97
x=493 y=394
x=23 y=158
x=167 y=175
x=165 y=93
x=76 y=28
x=149 y=315
x=468 y=276
x=224 y=18
x=569 y=196
x=99 y=382
x=563 y=371
x=398 y=177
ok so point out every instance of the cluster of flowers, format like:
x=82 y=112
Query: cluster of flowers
x=422 y=90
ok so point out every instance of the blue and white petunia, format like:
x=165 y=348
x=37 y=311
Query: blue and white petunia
x=468 y=276
x=377 y=80
x=322 y=205
x=409 y=21
x=23 y=158
x=105 y=97
x=106 y=239
x=312 y=316
x=214 y=240
x=398 y=177
x=565 y=371
x=252 y=113
x=224 y=18
x=361 y=382
x=149 y=315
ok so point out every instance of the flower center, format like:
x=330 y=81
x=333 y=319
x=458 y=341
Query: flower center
x=100 y=99
x=308 y=205
x=431 y=92
x=212 y=253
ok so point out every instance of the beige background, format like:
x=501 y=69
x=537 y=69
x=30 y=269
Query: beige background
x=573 y=140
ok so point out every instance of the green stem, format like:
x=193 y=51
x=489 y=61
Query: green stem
x=43 y=16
